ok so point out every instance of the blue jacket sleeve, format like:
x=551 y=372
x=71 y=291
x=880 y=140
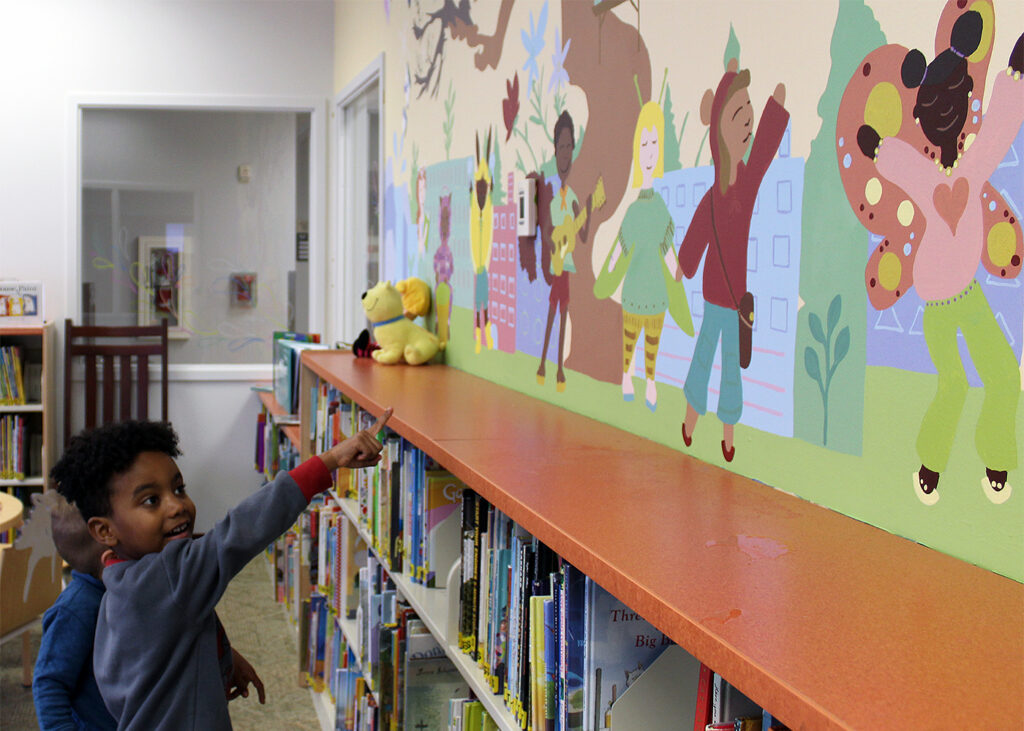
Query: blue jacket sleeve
x=65 y=649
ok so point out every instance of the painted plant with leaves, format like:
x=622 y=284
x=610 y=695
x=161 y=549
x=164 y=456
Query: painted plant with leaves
x=834 y=352
x=545 y=103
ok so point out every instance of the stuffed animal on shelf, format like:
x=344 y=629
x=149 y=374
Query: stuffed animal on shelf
x=415 y=297
x=364 y=346
x=400 y=339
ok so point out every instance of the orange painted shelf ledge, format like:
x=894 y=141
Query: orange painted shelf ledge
x=827 y=622
x=270 y=403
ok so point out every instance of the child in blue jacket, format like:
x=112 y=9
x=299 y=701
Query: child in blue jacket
x=64 y=687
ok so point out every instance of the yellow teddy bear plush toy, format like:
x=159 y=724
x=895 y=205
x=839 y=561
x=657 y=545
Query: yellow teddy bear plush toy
x=400 y=339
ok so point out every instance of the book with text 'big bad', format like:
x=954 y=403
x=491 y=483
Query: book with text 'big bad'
x=618 y=646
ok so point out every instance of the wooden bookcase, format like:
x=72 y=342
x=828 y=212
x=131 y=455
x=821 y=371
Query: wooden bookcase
x=26 y=593
x=36 y=344
x=825 y=621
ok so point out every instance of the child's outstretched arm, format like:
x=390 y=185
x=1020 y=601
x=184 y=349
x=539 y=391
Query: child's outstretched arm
x=199 y=570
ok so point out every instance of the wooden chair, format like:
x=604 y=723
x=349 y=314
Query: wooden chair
x=100 y=347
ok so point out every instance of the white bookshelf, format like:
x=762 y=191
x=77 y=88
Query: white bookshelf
x=21 y=409
x=438 y=609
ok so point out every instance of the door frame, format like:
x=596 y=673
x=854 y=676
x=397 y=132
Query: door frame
x=346 y=265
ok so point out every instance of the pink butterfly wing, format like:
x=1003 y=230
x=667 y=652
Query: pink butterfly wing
x=875 y=95
x=1003 y=245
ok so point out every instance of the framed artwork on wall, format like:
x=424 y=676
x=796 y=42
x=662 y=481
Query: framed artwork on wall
x=163 y=294
x=243 y=289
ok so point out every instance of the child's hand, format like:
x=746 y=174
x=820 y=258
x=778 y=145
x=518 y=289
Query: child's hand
x=362 y=450
x=242 y=673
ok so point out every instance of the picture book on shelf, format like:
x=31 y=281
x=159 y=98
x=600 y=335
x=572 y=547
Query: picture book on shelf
x=618 y=646
x=442 y=517
x=431 y=680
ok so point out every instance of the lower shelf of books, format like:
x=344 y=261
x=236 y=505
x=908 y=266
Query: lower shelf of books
x=434 y=608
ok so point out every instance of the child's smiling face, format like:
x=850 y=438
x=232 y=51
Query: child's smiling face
x=148 y=508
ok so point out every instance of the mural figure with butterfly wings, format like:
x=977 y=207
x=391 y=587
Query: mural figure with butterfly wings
x=920 y=180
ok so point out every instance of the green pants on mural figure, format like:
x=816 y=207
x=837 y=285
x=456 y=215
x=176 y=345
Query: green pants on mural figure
x=995 y=434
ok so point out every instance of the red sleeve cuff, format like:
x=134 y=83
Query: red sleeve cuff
x=312 y=477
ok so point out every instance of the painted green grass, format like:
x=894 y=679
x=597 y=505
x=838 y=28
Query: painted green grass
x=876 y=488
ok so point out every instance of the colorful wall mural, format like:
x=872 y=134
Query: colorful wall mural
x=790 y=252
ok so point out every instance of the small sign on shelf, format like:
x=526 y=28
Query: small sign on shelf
x=21 y=304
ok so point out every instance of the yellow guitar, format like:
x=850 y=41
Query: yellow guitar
x=563 y=237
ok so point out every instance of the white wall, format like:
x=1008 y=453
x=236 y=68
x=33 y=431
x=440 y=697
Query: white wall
x=56 y=49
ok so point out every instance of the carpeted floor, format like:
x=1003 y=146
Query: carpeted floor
x=257 y=628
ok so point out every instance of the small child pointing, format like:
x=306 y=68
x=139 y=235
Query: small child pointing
x=156 y=653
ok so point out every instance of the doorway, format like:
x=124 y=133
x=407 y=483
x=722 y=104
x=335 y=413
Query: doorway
x=358 y=170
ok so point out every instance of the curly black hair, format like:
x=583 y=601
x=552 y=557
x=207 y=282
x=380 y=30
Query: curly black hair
x=91 y=459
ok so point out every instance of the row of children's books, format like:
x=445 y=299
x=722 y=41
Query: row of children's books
x=561 y=652
x=560 y=649
x=556 y=646
x=13 y=447
x=408 y=504
x=394 y=675
x=12 y=382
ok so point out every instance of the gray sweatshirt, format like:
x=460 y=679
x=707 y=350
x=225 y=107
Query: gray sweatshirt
x=155 y=655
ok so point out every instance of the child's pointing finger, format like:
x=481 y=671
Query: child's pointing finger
x=381 y=421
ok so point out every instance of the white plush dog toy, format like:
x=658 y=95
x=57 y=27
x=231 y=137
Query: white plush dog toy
x=399 y=337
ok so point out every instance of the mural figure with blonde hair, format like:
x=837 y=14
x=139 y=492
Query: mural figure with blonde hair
x=721 y=227
x=642 y=250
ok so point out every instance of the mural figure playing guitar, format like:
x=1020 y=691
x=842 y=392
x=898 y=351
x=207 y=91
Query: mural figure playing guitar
x=566 y=222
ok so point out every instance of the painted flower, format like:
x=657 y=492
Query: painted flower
x=510 y=105
x=533 y=42
x=559 y=76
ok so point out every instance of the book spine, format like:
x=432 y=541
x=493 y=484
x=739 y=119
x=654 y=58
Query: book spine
x=467 y=619
x=702 y=713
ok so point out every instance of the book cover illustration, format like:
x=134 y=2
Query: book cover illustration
x=21 y=303
x=353 y=557
x=620 y=645
x=443 y=499
x=431 y=680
